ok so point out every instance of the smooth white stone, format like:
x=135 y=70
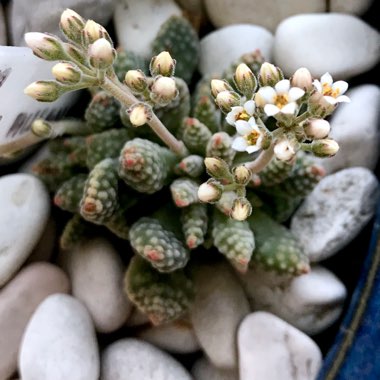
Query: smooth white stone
x=311 y=302
x=25 y=206
x=177 y=337
x=47 y=13
x=350 y=6
x=3 y=34
x=355 y=126
x=340 y=44
x=268 y=13
x=96 y=273
x=271 y=349
x=221 y=48
x=134 y=359
x=204 y=370
x=138 y=22
x=219 y=306
x=335 y=212
x=59 y=342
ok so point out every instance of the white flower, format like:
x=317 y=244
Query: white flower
x=280 y=99
x=241 y=112
x=250 y=138
x=284 y=150
x=332 y=91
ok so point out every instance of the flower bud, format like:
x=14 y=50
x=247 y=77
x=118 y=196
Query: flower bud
x=241 y=209
x=45 y=46
x=317 y=128
x=43 y=91
x=324 y=147
x=269 y=74
x=71 y=25
x=162 y=64
x=318 y=106
x=284 y=150
x=210 y=191
x=245 y=80
x=225 y=100
x=163 y=90
x=136 y=81
x=66 y=73
x=139 y=114
x=242 y=175
x=302 y=79
x=101 y=54
x=218 y=85
x=217 y=168
x=92 y=32
x=41 y=128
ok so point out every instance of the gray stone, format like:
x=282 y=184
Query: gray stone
x=311 y=302
x=350 y=6
x=47 y=13
x=355 y=126
x=96 y=273
x=221 y=48
x=204 y=370
x=59 y=342
x=18 y=301
x=335 y=212
x=267 y=14
x=134 y=359
x=271 y=349
x=219 y=306
x=340 y=44
x=177 y=337
x=138 y=22
x=24 y=205
x=3 y=34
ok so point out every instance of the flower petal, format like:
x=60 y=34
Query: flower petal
x=282 y=86
x=252 y=122
x=326 y=79
x=289 y=109
x=317 y=84
x=252 y=148
x=250 y=107
x=267 y=94
x=271 y=110
x=340 y=85
x=239 y=144
x=295 y=93
x=343 y=99
x=330 y=100
x=243 y=127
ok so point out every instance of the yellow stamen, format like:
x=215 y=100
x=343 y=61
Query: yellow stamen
x=328 y=91
x=281 y=100
x=242 y=116
x=252 y=137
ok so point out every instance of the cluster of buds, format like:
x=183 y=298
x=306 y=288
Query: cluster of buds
x=297 y=105
x=224 y=180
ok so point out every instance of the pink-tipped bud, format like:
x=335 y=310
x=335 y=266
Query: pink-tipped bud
x=163 y=90
x=210 y=191
x=43 y=91
x=101 y=54
x=324 y=147
x=218 y=85
x=92 y=32
x=45 y=46
x=217 y=168
x=284 y=150
x=317 y=128
x=162 y=64
x=302 y=79
x=136 y=81
x=269 y=74
x=245 y=80
x=139 y=114
x=241 y=209
x=225 y=100
x=242 y=175
x=66 y=73
x=72 y=25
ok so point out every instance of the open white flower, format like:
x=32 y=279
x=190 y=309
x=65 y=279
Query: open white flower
x=241 y=112
x=279 y=99
x=250 y=138
x=332 y=91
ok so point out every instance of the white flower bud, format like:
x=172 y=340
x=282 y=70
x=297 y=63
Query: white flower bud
x=269 y=74
x=241 y=209
x=139 y=114
x=217 y=167
x=245 y=80
x=284 y=150
x=66 y=73
x=43 y=91
x=92 y=32
x=324 y=147
x=72 y=25
x=317 y=128
x=101 y=54
x=163 y=64
x=45 y=46
x=218 y=85
x=318 y=105
x=242 y=175
x=41 y=128
x=225 y=100
x=136 y=81
x=210 y=191
x=163 y=90
x=302 y=79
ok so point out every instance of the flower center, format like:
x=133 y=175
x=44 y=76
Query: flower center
x=242 y=116
x=328 y=91
x=252 y=137
x=281 y=100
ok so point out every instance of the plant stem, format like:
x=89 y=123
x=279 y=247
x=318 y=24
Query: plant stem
x=23 y=142
x=128 y=99
x=261 y=161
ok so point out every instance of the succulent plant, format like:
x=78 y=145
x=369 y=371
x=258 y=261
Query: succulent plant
x=193 y=175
